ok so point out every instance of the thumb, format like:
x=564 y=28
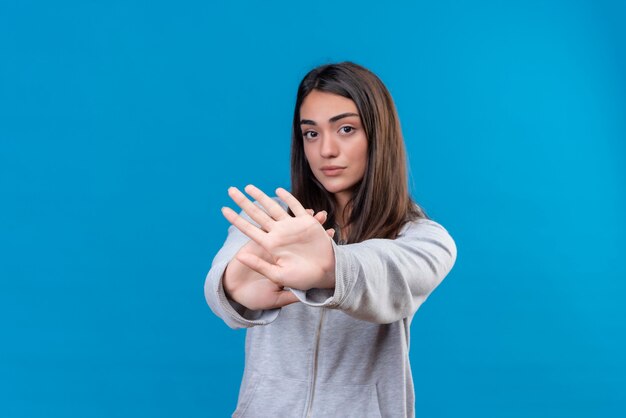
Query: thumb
x=264 y=268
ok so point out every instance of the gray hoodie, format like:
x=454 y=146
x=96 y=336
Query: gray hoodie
x=342 y=352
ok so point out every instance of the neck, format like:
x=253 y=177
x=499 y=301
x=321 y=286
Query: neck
x=341 y=199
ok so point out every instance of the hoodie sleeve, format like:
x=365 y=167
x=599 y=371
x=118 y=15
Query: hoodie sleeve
x=232 y=313
x=385 y=280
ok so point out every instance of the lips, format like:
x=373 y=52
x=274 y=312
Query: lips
x=332 y=170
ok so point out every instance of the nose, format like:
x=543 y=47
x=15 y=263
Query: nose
x=329 y=147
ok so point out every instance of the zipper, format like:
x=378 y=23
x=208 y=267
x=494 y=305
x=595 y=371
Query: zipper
x=315 y=356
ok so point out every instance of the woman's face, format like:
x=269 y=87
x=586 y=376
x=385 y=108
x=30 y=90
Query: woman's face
x=335 y=144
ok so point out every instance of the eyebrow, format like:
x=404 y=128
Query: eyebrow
x=331 y=120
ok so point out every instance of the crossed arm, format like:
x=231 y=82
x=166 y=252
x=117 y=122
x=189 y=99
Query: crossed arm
x=283 y=251
x=377 y=280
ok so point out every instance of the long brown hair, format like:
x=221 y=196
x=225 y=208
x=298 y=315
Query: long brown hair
x=380 y=204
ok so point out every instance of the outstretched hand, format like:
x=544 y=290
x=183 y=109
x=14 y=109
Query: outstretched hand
x=300 y=250
x=253 y=290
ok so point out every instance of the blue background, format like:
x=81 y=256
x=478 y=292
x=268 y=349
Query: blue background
x=122 y=123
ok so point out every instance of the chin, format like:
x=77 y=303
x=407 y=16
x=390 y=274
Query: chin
x=333 y=190
x=336 y=188
x=336 y=185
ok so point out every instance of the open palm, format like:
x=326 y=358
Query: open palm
x=251 y=288
x=300 y=251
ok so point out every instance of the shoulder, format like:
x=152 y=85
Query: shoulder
x=421 y=224
x=424 y=229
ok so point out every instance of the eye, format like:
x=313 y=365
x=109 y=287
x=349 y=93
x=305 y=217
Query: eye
x=347 y=129
x=309 y=134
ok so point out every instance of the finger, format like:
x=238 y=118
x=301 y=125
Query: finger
x=330 y=232
x=321 y=216
x=310 y=212
x=253 y=211
x=260 y=266
x=270 y=205
x=293 y=203
x=254 y=233
x=285 y=297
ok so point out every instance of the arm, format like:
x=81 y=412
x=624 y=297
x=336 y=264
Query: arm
x=234 y=314
x=239 y=295
x=383 y=280
x=377 y=280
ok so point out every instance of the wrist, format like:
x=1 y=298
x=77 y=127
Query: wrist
x=229 y=283
x=328 y=278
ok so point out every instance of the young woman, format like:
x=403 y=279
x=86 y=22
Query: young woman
x=327 y=278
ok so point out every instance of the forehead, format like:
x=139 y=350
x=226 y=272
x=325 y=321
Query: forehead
x=321 y=106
